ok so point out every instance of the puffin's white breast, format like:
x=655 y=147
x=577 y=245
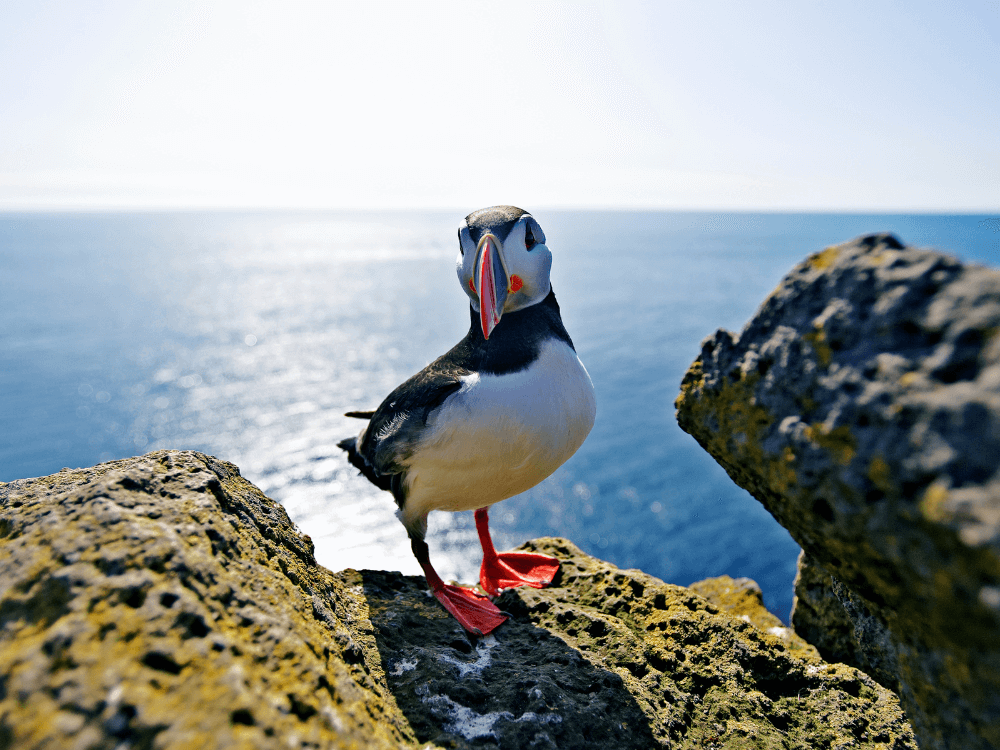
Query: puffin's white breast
x=500 y=435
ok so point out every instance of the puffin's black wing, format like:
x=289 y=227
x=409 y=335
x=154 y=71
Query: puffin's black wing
x=350 y=445
x=394 y=428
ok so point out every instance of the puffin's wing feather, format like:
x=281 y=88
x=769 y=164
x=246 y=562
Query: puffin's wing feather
x=351 y=446
x=395 y=429
x=360 y=414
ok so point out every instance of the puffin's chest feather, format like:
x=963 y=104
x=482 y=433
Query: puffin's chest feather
x=500 y=435
x=550 y=402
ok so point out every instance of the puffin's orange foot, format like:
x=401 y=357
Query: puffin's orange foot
x=508 y=570
x=474 y=612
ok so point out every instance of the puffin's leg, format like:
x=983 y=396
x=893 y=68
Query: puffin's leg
x=474 y=612
x=508 y=570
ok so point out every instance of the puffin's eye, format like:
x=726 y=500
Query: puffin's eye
x=529 y=238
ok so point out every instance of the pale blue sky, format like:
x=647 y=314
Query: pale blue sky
x=874 y=106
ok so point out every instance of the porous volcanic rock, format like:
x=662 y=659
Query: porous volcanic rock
x=861 y=406
x=164 y=601
x=616 y=658
x=743 y=598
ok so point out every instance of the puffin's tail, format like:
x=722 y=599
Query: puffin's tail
x=350 y=445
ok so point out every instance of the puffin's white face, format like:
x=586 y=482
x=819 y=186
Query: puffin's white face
x=503 y=262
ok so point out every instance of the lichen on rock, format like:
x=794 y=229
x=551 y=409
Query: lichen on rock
x=743 y=598
x=165 y=602
x=616 y=658
x=861 y=406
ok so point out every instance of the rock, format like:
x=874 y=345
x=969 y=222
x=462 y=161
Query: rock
x=821 y=620
x=742 y=597
x=163 y=601
x=861 y=406
x=843 y=628
x=615 y=658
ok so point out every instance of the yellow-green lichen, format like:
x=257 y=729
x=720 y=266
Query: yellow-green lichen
x=806 y=404
x=838 y=442
x=689 y=641
x=693 y=381
x=879 y=473
x=932 y=503
x=881 y=257
x=731 y=425
x=823 y=259
x=817 y=338
x=207 y=631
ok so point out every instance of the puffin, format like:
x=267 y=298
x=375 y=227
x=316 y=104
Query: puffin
x=489 y=419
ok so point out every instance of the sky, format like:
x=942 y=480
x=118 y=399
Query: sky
x=830 y=106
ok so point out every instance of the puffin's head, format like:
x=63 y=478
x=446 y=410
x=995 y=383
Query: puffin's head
x=503 y=263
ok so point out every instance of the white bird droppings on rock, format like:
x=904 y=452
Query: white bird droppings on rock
x=483 y=661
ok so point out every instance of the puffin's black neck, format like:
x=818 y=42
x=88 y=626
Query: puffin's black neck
x=515 y=342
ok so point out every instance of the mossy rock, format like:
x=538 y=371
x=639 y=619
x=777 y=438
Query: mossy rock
x=165 y=602
x=861 y=406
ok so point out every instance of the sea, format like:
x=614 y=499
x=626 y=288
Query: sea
x=248 y=335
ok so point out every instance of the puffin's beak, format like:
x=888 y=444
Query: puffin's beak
x=491 y=283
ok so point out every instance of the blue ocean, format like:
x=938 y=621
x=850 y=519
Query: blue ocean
x=248 y=335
